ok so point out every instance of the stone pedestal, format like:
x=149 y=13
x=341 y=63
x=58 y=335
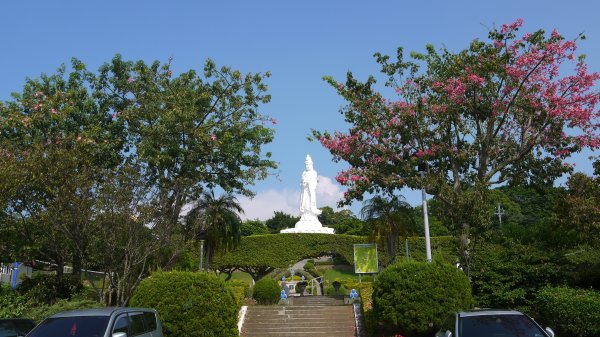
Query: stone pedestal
x=309 y=223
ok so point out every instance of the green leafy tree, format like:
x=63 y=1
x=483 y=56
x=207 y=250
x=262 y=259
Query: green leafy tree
x=279 y=221
x=495 y=112
x=191 y=132
x=253 y=227
x=56 y=138
x=343 y=221
x=217 y=221
x=389 y=219
x=578 y=213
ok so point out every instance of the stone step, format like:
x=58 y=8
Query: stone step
x=313 y=308
x=299 y=334
x=309 y=316
x=346 y=331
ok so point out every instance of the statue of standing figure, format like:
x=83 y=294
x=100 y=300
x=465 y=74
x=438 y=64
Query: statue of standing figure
x=308 y=200
x=309 y=221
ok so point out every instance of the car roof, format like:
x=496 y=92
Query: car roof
x=99 y=312
x=488 y=312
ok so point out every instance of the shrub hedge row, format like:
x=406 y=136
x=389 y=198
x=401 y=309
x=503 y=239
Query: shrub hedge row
x=260 y=254
x=569 y=311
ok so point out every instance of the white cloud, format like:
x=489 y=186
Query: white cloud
x=266 y=202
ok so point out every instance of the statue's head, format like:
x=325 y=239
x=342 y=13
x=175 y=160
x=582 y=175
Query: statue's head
x=308 y=163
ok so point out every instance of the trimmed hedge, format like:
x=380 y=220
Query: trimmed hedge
x=266 y=291
x=259 y=255
x=413 y=298
x=569 y=311
x=190 y=304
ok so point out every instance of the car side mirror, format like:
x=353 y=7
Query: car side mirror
x=119 y=334
x=448 y=333
x=550 y=332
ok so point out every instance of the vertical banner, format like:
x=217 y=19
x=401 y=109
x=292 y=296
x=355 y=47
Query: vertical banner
x=365 y=259
x=15 y=275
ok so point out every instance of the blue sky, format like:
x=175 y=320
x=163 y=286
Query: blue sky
x=299 y=42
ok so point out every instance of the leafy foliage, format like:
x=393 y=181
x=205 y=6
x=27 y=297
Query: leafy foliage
x=388 y=219
x=266 y=291
x=47 y=289
x=12 y=304
x=240 y=290
x=509 y=275
x=253 y=227
x=279 y=221
x=496 y=112
x=216 y=219
x=414 y=297
x=189 y=304
x=260 y=254
x=39 y=313
x=569 y=311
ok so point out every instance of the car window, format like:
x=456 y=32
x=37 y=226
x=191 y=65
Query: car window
x=77 y=326
x=499 y=325
x=137 y=324
x=150 y=319
x=24 y=326
x=7 y=329
x=121 y=324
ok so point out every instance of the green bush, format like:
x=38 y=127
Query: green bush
x=266 y=291
x=413 y=298
x=41 y=312
x=509 y=275
x=45 y=289
x=330 y=291
x=189 y=303
x=12 y=304
x=240 y=290
x=569 y=311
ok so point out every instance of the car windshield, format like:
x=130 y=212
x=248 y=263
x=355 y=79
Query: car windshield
x=499 y=326
x=77 y=326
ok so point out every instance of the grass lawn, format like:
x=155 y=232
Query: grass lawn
x=343 y=272
x=239 y=275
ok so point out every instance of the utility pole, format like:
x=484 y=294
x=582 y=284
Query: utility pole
x=425 y=216
x=499 y=213
x=201 y=254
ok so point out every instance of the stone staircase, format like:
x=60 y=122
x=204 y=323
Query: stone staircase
x=302 y=317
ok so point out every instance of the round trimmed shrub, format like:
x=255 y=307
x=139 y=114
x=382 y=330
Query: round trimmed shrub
x=413 y=298
x=266 y=291
x=569 y=311
x=189 y=303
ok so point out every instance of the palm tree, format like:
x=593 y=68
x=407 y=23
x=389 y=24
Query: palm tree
x=388 y=219
x=216 y=220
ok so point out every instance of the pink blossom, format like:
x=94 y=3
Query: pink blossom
x=53 y=111
x=213 y=137
x=273 y=121
x=131 y=79
x=475 y=79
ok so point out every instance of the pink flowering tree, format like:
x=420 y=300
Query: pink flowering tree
x=506 y=110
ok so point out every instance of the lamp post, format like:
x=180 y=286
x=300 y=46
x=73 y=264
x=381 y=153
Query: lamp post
x=201 y=254
x=422 y=169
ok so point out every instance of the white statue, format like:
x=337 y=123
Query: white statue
x=308 y=198
x=309 y=222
